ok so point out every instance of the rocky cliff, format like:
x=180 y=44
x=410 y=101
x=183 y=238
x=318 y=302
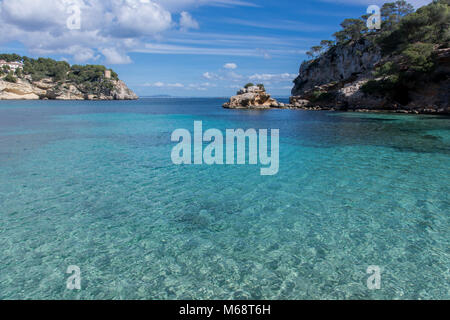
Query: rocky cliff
x=336 y=81
x=402 y=67
x=26 y=89
x=339 y=64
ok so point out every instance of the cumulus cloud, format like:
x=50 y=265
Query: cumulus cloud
x=134 y=18
x=115 y=57
x=117 y=25
x=209 y=75
x=110 y=29
x=230 y=66
x=83 y=55
x=187 y=22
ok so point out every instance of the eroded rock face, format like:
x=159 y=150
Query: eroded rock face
x=122 y=92
x=25 y=89
x=342 y=63
x=334 y=82
x=252 y=98
x=22 y=90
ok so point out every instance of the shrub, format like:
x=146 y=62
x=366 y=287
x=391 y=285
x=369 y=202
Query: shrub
x=318 y=96
x=419 y=57
x=10 y=78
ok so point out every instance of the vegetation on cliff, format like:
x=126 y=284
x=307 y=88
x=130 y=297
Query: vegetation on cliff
x=89 y=79
x=409 y=41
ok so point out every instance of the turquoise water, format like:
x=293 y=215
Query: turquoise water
x=92 y=184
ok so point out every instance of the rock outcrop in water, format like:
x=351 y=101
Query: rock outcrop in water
x=252 y=97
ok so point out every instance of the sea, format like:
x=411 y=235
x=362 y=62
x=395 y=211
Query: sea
x=360 y=207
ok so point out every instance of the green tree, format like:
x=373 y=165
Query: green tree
x=419 y=57
x=19 y=72
x=327 y=43
x=317 y=50
x=352 y=30
x=10 y=57
x=391 y=13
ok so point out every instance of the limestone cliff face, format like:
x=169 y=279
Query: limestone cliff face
x=26 y=89
x=334 y=82
x=340 y=64
x=122 y=92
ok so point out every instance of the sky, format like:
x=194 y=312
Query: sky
x=187 y=48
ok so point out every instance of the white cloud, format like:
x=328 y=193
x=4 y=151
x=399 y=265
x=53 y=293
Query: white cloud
x=111 y=29
x=180 y=5
x=160 y=84
x=232 y=79
x=187 y=22
x=114 y=57
x=209 y=75
x=273 y=77
x=41 y=25
x=135 y=18
x=85 y=55
x=176 y=85
x=230 y=66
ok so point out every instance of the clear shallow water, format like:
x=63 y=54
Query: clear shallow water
x=92 y=184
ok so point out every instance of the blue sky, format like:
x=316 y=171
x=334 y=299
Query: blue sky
x=179 y=47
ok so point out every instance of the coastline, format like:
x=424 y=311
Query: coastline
x=365 y=110
x=48 y=89
x=256 y=98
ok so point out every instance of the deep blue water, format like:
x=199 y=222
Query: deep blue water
x=92 y=184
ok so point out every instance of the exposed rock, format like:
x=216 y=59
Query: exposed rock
x=334 y=81
x=47 y=89
x=252 y=98
x=341 y=63
x=122 y=92
x=22 y=90
x=298 y=102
